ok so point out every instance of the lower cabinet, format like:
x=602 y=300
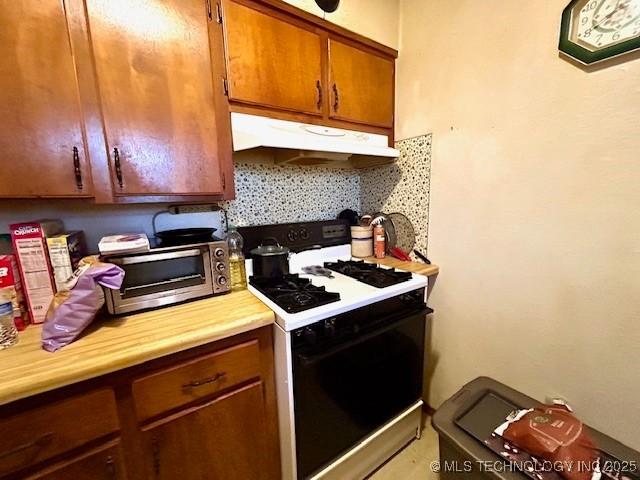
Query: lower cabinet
x=204 y=414
x=105 y=463
x=223 y=439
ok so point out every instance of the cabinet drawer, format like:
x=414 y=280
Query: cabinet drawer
x=171 y=388
x=43 y=432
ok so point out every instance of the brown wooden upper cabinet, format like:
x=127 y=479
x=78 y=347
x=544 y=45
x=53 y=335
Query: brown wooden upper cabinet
x=272 y=60
x=41 y=140
x=286 y=63
x=156 y=85
x=362 y=85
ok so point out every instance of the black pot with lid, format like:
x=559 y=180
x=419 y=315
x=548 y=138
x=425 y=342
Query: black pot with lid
x=270 y=260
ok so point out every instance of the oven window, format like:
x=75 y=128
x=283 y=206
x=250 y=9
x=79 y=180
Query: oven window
x=159 y=276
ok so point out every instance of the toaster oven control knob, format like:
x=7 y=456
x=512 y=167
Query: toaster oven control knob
x=218 y=253
x=221 y=267
x=222 y=280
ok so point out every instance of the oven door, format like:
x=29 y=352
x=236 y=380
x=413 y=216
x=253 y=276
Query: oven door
x=159 y=279
x=347 y=388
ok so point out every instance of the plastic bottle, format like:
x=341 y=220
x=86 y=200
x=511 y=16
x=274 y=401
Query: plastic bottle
x=379 y=241
x=237 y=270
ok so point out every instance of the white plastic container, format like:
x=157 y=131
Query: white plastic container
x=362 y=242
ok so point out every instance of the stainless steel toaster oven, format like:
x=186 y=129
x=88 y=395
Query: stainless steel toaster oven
x=169 y=275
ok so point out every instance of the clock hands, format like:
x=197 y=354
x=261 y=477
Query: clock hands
x=617 y=9
x=607 y=17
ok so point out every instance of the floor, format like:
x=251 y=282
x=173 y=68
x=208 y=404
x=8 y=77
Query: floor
x=414 y=461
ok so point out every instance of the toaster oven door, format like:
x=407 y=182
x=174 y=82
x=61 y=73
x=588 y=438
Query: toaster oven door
x=159 y=279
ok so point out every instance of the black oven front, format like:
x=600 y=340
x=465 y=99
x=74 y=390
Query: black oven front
x=353 y=373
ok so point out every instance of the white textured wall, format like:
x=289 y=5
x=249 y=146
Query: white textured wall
x=535 y=205
x=376 y=19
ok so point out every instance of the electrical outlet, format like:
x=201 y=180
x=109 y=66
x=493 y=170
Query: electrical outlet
x=181 y=209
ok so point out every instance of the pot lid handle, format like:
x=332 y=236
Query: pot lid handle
x=277 y=244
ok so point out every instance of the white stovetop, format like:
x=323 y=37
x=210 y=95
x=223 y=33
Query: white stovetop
x=353 y=294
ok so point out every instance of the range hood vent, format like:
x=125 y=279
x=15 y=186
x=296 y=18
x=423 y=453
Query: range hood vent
x=305 y=144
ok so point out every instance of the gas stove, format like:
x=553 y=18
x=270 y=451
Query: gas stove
x=369 y=273
x=336 y=335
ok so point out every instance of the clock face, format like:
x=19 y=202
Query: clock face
x=593 y=30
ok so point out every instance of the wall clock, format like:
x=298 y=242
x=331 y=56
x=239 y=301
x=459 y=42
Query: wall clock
x=595 y=30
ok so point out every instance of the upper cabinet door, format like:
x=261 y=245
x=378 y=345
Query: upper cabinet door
x=41 y=140
x=157 y=92
x=361 y=85
x=271 y=61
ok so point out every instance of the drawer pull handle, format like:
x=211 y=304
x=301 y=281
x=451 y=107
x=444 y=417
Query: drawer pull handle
x=204 y=381
x=76 y=168
x=155 y=452
x=319 y=89
x=39 y=442
x=118 y=166
x=111 y=467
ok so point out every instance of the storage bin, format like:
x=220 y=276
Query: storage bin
x=479 y=407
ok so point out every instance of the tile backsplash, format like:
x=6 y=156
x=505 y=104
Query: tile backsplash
x=276 y=194
x=265 y=193
x=403 y=186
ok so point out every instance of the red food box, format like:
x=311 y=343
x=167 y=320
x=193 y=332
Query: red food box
x=11 y=288
x=30 y=249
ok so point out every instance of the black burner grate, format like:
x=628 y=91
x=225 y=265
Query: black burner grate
x=369 y=273
x=292 y=293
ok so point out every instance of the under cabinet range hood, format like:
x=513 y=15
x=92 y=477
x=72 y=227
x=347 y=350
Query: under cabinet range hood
x=306 y=144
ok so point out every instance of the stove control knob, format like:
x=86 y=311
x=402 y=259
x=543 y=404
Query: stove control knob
x=330 y=326
x=219 y=253
x=310 y=335
x=292 y=236
x=304 y=234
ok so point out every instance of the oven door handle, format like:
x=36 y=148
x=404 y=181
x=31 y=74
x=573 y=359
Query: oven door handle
x=308 y=360
x=194 y=252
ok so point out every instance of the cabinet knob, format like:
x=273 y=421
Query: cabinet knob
x=76 y=168
x=319 y=88
x=118 y=167
x=336 y=98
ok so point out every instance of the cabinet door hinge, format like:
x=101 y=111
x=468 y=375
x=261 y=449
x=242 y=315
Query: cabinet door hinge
x=219 y=13
x=225 y=87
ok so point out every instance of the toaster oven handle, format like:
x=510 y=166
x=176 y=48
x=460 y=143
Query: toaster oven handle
x=194 y=252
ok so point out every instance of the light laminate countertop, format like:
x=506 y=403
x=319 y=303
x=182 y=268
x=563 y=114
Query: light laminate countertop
x=113 y=344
